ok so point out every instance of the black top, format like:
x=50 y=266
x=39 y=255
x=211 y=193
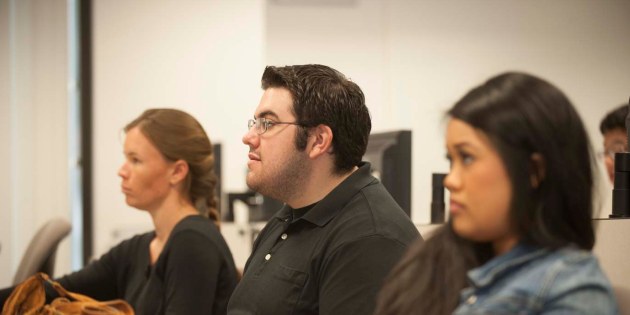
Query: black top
x=332 y=260
x=194 y=274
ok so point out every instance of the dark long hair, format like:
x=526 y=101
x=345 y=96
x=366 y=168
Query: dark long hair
x=523 y=116
x=179 y=136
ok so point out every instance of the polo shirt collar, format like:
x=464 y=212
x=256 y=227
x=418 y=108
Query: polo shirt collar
x=327 y=208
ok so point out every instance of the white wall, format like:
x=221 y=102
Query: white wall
x=33 y=133
x=5 y=138
x=414 y=59
x=205 y=57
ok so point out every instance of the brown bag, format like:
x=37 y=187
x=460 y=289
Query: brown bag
x=29 y=298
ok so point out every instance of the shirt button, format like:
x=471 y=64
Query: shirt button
x=267 y=257
x=471 y=300
x=284 y=236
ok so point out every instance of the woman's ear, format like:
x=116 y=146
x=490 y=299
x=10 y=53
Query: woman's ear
x=321 y=141
x=179 y=172
x=537 y=169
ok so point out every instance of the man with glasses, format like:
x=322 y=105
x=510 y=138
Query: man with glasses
x=340 y=232
x=613 y=128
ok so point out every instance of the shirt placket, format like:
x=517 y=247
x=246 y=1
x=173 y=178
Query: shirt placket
x=279 y=240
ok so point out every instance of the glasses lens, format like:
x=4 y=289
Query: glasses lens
x=615 y=148
x=260 y=124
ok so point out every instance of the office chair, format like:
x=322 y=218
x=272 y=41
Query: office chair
x=41 y=251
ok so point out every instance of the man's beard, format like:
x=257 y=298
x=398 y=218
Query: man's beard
x=287 y=181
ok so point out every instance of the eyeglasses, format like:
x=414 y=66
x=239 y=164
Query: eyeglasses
x=610 y=153
x=263 y=124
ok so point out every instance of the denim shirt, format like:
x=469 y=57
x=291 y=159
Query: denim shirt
x=531 y=280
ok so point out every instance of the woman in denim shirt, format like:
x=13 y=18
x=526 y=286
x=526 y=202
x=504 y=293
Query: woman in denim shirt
x=520 y=234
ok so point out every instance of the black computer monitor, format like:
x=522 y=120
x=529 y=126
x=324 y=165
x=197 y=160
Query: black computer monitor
x=389 y=153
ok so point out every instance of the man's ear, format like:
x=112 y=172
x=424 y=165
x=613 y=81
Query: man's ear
x=320 y=141
x=537 y=170
x=179 y=171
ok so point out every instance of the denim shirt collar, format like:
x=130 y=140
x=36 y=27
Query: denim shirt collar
x=500 y=265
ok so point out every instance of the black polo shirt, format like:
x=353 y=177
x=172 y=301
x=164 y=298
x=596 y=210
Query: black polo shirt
x=332 y=260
